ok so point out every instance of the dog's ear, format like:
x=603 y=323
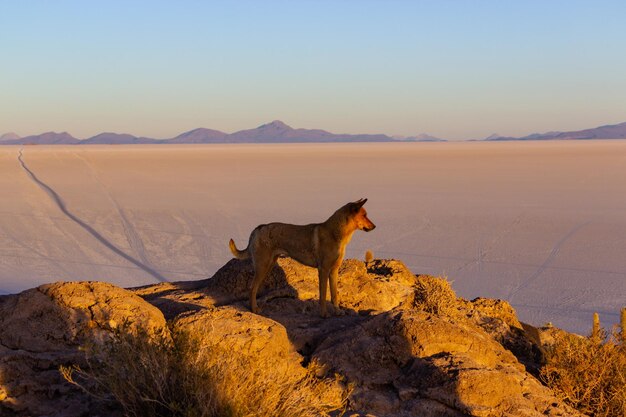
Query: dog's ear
x=356 y=206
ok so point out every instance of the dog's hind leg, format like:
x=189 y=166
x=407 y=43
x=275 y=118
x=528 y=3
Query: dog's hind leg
x=323 y=280
x=262 y=265
x=333 y=276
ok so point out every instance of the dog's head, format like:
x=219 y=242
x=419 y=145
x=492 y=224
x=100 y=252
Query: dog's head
x=359 y=215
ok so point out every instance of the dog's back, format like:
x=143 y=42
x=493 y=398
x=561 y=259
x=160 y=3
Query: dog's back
x=283 y=239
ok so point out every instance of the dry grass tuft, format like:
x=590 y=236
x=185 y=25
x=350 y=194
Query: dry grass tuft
x=435 y=295
x=369 y=256
x=587 y=373
x=188 y=377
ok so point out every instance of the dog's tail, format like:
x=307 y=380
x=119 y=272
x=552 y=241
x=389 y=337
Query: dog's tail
x=239 y=254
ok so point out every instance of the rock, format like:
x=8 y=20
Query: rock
x=44 y=328
x=383 y=286
x=452 y=363
x=496 y=317
x=246 y=348
x=231 y=329
x=499 y=320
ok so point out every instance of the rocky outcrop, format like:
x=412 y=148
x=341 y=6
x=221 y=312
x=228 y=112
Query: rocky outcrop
x=44 y=328
x=401 y=344
x=404 y=359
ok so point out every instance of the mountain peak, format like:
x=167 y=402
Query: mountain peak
x=9 y=136
x=493 y=136
x=275 y=124
x=200 y=135
x=425 y=137
x=422 y=137
x=53 y=133
x=49 y=138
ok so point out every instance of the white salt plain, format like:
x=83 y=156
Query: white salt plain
x=540 y=224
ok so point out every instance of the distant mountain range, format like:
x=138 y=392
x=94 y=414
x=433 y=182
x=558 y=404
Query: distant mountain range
x=274 y=132
x=279 y=132
x=602 y=132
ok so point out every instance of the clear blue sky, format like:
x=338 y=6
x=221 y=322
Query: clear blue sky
x=454 y=69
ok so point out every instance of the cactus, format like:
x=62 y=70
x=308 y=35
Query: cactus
x=623 y=325
x=369 y=256
x=595 y=330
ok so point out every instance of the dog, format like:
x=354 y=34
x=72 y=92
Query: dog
x=318 y=245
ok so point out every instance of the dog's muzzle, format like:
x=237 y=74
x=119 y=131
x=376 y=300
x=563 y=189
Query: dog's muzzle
x=369 y=229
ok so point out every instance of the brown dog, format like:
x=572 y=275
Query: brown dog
x=318 y=245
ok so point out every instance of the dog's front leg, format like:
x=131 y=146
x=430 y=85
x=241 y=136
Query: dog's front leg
x=323 y=280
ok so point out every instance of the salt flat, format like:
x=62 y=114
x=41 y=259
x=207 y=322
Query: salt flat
x=541 y=224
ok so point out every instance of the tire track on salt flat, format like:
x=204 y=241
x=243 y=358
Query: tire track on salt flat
x=546 y=264
x=56 y=198
x=133 y=238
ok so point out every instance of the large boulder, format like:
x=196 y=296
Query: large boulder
x=233 y=330
x=45 y=327
x=250 y=356
x=404 y=362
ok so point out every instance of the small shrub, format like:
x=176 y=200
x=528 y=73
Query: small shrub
x=588 y=374
x=369 y=256
x=435 y=295
x=185 y=376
